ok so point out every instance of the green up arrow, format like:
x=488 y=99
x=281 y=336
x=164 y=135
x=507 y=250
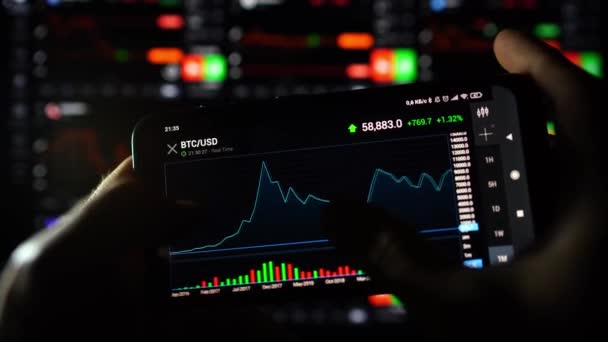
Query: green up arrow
x=352 y=128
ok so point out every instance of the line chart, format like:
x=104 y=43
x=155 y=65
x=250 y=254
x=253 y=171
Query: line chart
x=266 y=184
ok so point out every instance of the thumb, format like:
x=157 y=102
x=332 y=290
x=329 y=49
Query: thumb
x=400 y=262
x=369 y=235
x=573 y=92
x=120 y=215
x=518 y=53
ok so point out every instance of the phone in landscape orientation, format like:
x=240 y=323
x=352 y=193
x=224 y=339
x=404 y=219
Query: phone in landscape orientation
x=461 y=164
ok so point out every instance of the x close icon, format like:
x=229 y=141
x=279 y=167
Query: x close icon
x=172 y=149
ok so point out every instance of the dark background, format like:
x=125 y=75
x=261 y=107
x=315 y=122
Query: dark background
x=77 y=75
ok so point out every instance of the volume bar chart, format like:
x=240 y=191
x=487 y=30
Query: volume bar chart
x=270 y=272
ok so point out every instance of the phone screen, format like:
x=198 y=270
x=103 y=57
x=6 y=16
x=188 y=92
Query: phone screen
x=451 y=164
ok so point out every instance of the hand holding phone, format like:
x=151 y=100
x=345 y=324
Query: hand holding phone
x=460 y=164
x=539 y=285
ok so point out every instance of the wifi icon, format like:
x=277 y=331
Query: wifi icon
x=464 y=96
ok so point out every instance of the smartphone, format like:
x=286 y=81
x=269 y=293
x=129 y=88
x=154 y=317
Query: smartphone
x=461 y=163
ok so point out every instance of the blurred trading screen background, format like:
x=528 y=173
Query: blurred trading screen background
x=81 y=73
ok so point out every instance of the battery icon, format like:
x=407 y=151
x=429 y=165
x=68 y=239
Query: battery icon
x=475 y=95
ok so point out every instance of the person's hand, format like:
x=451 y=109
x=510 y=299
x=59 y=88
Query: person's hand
x=557 y=282
x=90 y=276
x=86 y=271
